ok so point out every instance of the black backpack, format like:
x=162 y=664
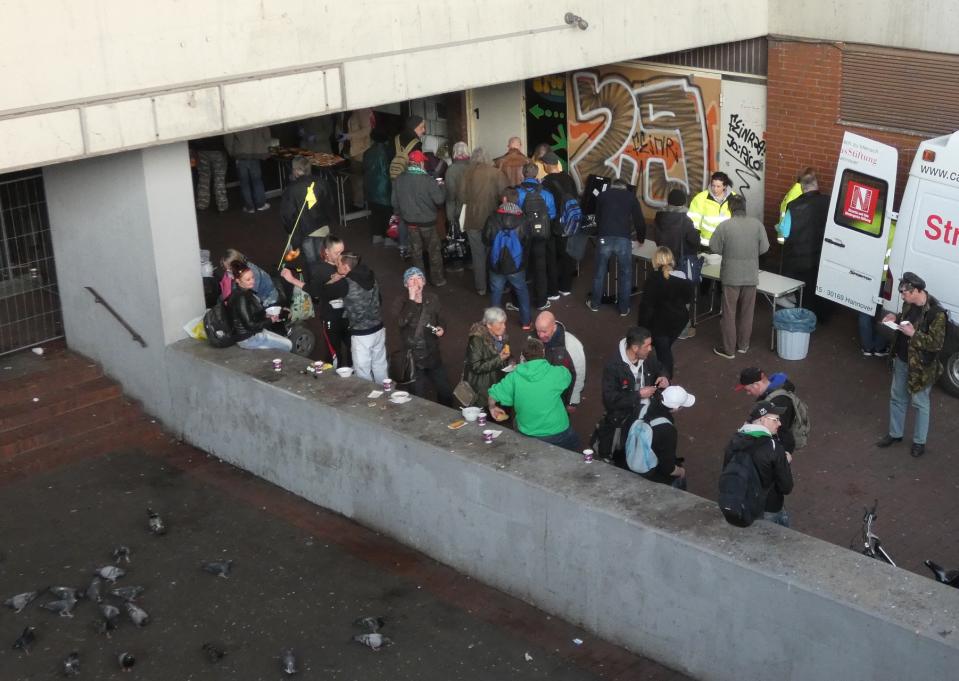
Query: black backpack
x=536 y=212
x=741 y=494
x=218 y=326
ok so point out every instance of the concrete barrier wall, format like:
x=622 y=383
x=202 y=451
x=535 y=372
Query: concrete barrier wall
x=650 y=568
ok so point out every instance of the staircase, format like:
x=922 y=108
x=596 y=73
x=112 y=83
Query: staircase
x=58 y=407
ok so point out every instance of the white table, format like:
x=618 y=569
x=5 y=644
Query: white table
x=772 y=287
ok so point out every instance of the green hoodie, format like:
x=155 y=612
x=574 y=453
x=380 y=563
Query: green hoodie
x=535 y=389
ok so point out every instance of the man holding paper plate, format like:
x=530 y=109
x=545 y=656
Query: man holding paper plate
x=920 y=334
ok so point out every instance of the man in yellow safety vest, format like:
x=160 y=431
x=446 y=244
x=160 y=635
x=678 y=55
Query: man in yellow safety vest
x=708 y=208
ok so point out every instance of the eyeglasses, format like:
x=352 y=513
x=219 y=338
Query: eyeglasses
x=774 y=417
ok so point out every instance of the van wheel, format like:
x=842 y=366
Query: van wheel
x=303 y=340
x=950 y=377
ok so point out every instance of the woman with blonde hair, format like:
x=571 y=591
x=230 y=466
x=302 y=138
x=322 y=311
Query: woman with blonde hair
x=662 y=310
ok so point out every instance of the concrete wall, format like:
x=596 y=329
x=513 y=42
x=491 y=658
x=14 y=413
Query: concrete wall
x=928 y=25
x=642 y=565
x=96 y=78
x=126 y=226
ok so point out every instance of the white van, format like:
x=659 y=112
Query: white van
x=926 y=239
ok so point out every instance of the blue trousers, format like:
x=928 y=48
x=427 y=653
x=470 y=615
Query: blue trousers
x=497 y=282
x=621 y=248
x=899 y=399
x=251 y=182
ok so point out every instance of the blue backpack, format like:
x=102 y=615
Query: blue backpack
x=640 y=456
x=507 y=248
x=571 y=217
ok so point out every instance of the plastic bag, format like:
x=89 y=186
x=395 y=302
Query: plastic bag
x=797 y=319
x=194 y=329
x=301 y=307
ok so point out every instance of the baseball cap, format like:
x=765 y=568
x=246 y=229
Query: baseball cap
x=675 y=397
x=417 y=156
x=764 y=409
x=748 y=376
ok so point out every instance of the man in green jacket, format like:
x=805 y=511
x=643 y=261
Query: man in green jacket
x=535 y=390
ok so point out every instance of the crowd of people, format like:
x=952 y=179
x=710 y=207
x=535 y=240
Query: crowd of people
x=514 y=213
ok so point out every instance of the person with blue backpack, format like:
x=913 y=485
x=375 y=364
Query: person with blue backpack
x=506 y=237
x=653 y=438
x=560 y=265
x=539 y=207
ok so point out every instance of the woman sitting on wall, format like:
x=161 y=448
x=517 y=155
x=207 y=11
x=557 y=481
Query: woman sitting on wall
x=262 y=283
x=249 y=316
x=487 y=352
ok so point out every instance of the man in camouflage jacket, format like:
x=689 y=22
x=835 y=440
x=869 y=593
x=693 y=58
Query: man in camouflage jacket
x=916 y=366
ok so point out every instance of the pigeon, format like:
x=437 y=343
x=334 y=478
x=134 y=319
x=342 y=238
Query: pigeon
x=20 y=601
x=373 y=641
x=126 y=661
x=26 y=640
x=156 y=524
x=121 y=554
x=370 y=624
x=127 y=593
x=63 y=607
x=108 y=622
x=137 y=614
x=111 y=573
x=288 y=662
x=220 y=568
x=65 y=593
x=212 y=652
x=71 y=664
x=93 y=592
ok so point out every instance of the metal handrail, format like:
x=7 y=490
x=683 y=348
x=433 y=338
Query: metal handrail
x=137 y=337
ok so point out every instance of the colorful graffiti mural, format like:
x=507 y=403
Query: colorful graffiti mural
x=653 y=130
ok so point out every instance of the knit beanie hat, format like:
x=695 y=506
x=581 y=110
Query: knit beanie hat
x=676 y=197
x=412 y=272
x=412 y=122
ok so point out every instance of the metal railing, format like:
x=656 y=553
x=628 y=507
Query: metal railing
x=29 y=299
x=123 y=322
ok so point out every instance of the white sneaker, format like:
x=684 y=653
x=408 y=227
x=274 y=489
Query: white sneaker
x=265 y=206
x=556 y=297
x=511 y=307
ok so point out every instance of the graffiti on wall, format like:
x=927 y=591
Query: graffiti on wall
x=546 y=114
x=744 y=150
x=652 y=130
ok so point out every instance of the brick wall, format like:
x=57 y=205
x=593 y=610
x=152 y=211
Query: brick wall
x=802 y=120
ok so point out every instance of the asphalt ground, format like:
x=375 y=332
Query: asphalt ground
x=837 y=475
x=301 y=576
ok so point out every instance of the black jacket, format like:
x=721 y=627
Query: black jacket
x=775 y=474
x=618 y=214
x=557 y=355
x=320 y=215
x=620 y=397
x=665 y=440
x=784 y=435
x=662 y=308
x=322 y=293
x=503 y=219
x=563 y=188
x=247 y=313
x=676 y=231
x=802 y=249
x=412 y=319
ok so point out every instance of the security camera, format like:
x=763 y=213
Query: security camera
x=574 y=20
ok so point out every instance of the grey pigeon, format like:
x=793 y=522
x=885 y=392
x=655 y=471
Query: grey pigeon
x=94 y=592
x=369 y=624
x=71 y=664
x=111 y=573
x=126 y=661
x=220 y=568
x=127 y=593
x=20 y=601
x=373 y=641
x=155 y=522
x=213 y=653
x=288 y=662
x=63 y=607
x=121 y=554
x=137 y=614
x=108 y=622
x=65 y=593
x=25 y=640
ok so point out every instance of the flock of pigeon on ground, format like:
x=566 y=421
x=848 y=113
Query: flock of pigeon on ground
x=103 y=586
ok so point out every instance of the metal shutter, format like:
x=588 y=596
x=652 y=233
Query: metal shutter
x=913 y=92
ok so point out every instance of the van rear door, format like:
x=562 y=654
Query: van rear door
x=857 y=227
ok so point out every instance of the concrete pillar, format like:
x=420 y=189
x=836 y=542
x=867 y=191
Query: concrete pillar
x=125 y=225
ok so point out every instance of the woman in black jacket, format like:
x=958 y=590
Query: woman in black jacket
x=663 y=308
x=249 y=317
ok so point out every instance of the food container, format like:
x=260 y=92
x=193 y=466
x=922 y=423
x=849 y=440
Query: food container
x=471 y=413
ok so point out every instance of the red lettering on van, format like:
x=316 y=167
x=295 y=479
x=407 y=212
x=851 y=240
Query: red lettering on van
x=935 y=230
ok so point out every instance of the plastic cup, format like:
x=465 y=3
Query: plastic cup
x=587 y=456
x=481 y=419
x=387 y=384
x=488 y=437
x=277 y=364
